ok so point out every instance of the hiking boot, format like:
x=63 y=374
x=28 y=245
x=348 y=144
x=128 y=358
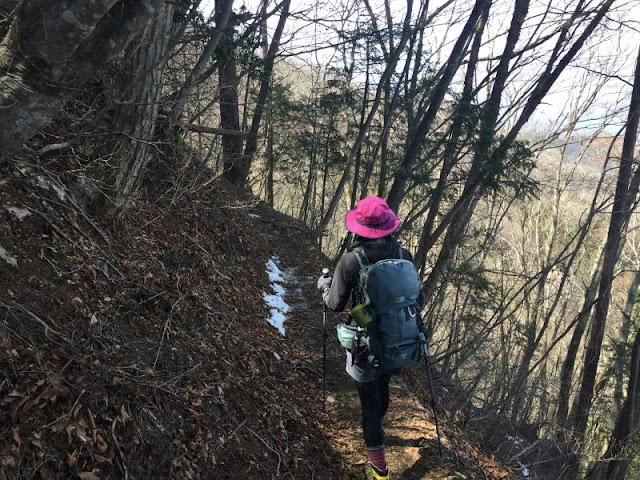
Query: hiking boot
x=372 y=473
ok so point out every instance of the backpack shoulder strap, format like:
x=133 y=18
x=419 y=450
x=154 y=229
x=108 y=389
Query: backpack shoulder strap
x=361 y=256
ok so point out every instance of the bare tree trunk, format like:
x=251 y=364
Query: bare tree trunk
x=363 y=114
x=232 y=158
x=252 y=138
x=389 y=70
x=620 y=452
x=627 y=315
x=450 y=152
x=568 y=365
x=481 y=160
x=137 y=113
x=270 y=160
x=195 y=75
x=455 y=59
x=310 y=190
x=484 y=166
x=38 y=77
x=619 y=215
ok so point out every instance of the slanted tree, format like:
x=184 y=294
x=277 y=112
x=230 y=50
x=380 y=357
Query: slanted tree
x=251 y=144
x=627 y=184
x=389 y=70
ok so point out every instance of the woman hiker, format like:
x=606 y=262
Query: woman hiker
x=372 y=222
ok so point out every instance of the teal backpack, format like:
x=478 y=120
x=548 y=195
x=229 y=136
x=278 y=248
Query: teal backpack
x=391 y=288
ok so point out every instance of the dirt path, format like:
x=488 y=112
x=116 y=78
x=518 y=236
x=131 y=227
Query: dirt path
x=410 y=435
x=172 y=366
x=412 y=448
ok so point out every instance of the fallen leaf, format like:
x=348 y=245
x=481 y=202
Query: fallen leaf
x=92 y=271
x=15 y=435
x=59 y=354
x=87 y=476
x=7 y=461
x=101 y=444
x=7 y=257
x=93 y=319
x=13 y=414
x=72 y=458
x=27 y=352
x=12 y=397
x=124 y=415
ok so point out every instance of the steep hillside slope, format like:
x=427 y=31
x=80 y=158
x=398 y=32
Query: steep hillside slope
x=144 y=351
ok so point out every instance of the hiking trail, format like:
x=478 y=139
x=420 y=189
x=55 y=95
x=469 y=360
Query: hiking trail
x=410 y=436
x=146 y=351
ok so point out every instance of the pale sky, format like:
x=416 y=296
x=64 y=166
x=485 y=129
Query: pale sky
x=608 y=60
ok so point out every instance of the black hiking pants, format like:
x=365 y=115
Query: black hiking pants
x=374 y=401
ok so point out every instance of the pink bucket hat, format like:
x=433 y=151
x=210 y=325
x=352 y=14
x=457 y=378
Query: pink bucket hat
x=372 y=218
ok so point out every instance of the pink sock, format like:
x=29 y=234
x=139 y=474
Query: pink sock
x=377 y=458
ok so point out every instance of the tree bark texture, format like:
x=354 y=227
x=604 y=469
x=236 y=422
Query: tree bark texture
x=137 y=114
x=52 y=48
x=233 y=159
x=569 y=362
x=625 y=329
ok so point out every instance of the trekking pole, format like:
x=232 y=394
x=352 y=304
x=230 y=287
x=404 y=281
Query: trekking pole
x=325 y=334
x=433 y=397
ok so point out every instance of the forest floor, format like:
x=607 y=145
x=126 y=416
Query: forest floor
x=143 y=350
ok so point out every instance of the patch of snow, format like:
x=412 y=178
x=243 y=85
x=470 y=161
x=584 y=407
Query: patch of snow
x=277 y=319
x=525 y=470
x=276 y=301
x=254 y=215
x=275 y=274
x=19 y=213
x=278 y=307
x=46 y=184
x=279 y=289
x=7 y=257
x=516 y=441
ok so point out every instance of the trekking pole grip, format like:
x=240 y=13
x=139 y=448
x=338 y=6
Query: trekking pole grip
x=325 y=314
x=325 y=274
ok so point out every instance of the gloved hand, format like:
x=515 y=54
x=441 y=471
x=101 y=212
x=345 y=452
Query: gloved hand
x=324 y=283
